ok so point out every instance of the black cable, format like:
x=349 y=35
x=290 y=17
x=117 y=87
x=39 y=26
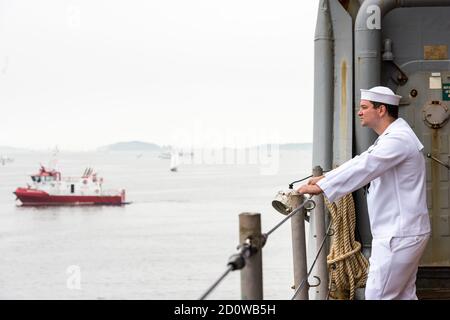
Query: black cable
x=215 y=284
x=302 y=283
x=235 y=262
x=291 y=185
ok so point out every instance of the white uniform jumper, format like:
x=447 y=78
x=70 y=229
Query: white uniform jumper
x=395 y=167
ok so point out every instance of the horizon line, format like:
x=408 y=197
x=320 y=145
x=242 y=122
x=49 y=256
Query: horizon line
x=162 y=146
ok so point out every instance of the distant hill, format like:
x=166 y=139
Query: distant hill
x=296 y=146
x=131 y=146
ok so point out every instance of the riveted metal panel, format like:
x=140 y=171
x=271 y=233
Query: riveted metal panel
x=426 y=141
x=436 y=142
x=443 y=147
x=444 y=197
x=443 y=174
x=429 y=197
x=428 y=169
x=444 y=225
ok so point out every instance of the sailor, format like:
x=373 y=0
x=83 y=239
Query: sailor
x=396 y=197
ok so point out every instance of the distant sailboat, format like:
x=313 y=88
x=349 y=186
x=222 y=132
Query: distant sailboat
x=174 y=161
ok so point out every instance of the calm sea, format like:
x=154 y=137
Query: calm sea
x=172 y=242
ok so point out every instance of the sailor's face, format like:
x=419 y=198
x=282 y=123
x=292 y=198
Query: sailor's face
x=367 y=114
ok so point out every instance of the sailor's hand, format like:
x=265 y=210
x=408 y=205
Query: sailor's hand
x=310 y=189
x=314 y=180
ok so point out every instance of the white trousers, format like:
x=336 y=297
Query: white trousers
x=393 y=267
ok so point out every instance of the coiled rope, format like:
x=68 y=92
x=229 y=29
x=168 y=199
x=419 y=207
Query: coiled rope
x=347 y=266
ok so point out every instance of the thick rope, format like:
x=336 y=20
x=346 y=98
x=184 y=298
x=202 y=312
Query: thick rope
x=347 y=266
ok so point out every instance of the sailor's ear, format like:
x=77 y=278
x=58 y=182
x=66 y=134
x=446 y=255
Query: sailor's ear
x=382 y=109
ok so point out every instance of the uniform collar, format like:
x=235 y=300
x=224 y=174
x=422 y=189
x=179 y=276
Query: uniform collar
x=401 y=125
x=395 y=124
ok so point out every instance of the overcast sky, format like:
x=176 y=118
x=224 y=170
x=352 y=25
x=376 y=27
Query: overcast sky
x=81 y=74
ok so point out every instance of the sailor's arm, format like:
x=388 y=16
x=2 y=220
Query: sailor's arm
x=359 y=171
x=313 y=181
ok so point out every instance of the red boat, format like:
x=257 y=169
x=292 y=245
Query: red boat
x=48 y=188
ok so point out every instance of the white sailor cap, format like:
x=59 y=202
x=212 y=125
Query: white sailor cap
x=381 y=94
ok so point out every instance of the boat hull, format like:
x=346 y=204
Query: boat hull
x=33 y=197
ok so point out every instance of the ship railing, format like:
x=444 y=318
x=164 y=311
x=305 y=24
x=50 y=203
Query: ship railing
x=248 y=258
